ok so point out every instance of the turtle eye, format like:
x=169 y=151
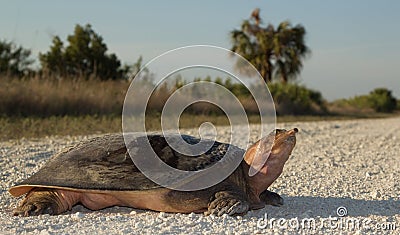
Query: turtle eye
x=278 y=131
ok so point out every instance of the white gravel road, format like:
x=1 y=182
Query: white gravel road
x=351 y=165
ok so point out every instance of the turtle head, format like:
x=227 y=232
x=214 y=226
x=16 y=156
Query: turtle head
x=284 y=142
x=271 y=151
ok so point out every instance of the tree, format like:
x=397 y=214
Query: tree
x=14 y=60
x=86 y=55
x=53 y=62
x=274 y=52
x=130 y=71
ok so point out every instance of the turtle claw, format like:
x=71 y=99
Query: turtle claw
x=238 y=208
x=271 y=198
x=31 y=208
x=229 y=206
x=38 y=202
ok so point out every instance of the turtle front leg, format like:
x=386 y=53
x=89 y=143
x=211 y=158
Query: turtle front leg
x=271 y=198
x=228 y=202
x=46 y=201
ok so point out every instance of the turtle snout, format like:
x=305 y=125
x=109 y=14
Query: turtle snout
x=293 y=131
x=291 y=137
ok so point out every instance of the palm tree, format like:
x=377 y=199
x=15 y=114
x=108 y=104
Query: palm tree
x=273 y=52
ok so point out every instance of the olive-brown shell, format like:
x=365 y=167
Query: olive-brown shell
x=103 y=163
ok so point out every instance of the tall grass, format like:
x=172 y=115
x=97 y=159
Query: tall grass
x=59 y=97
x=47 y=97
x=37 y=107
x=37 y=97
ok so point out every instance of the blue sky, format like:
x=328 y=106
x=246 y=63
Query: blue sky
x=355 y=44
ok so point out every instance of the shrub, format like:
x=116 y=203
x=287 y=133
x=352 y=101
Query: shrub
x=289 y=98
x=378 y=100
x=293 y=99
x=381 y=100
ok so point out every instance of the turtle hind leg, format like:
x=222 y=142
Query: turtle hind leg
x=271 y=198
x=42 y=201
x=227 y=202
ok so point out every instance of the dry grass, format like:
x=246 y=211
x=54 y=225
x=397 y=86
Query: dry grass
x=36 y=127
x=52 y=97
x=36 y=107
x=76 y=97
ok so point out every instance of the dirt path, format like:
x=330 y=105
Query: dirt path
x=351 y=165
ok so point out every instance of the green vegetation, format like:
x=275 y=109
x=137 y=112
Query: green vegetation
x=289 y=98
x=80 y=87
x=379 y=100
x=293 y=99
x=85 y=56
x=37 y=127
x=274 y=52
x=66 y=97
x=34 y=108
x=14 y=60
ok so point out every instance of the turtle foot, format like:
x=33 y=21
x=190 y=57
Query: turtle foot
x=271 y=198
x=227 y=204
x=36 y=203
x=29 y=209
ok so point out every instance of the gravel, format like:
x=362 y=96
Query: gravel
x=342 y=178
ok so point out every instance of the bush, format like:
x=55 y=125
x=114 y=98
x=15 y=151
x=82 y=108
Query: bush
x=289 y=98
x=381 y=100
x=294 y=99
x=378 y=100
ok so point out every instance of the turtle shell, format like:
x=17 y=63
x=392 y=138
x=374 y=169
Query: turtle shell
x=103 y=163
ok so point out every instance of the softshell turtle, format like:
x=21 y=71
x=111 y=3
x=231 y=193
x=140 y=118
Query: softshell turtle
x=99 y=173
